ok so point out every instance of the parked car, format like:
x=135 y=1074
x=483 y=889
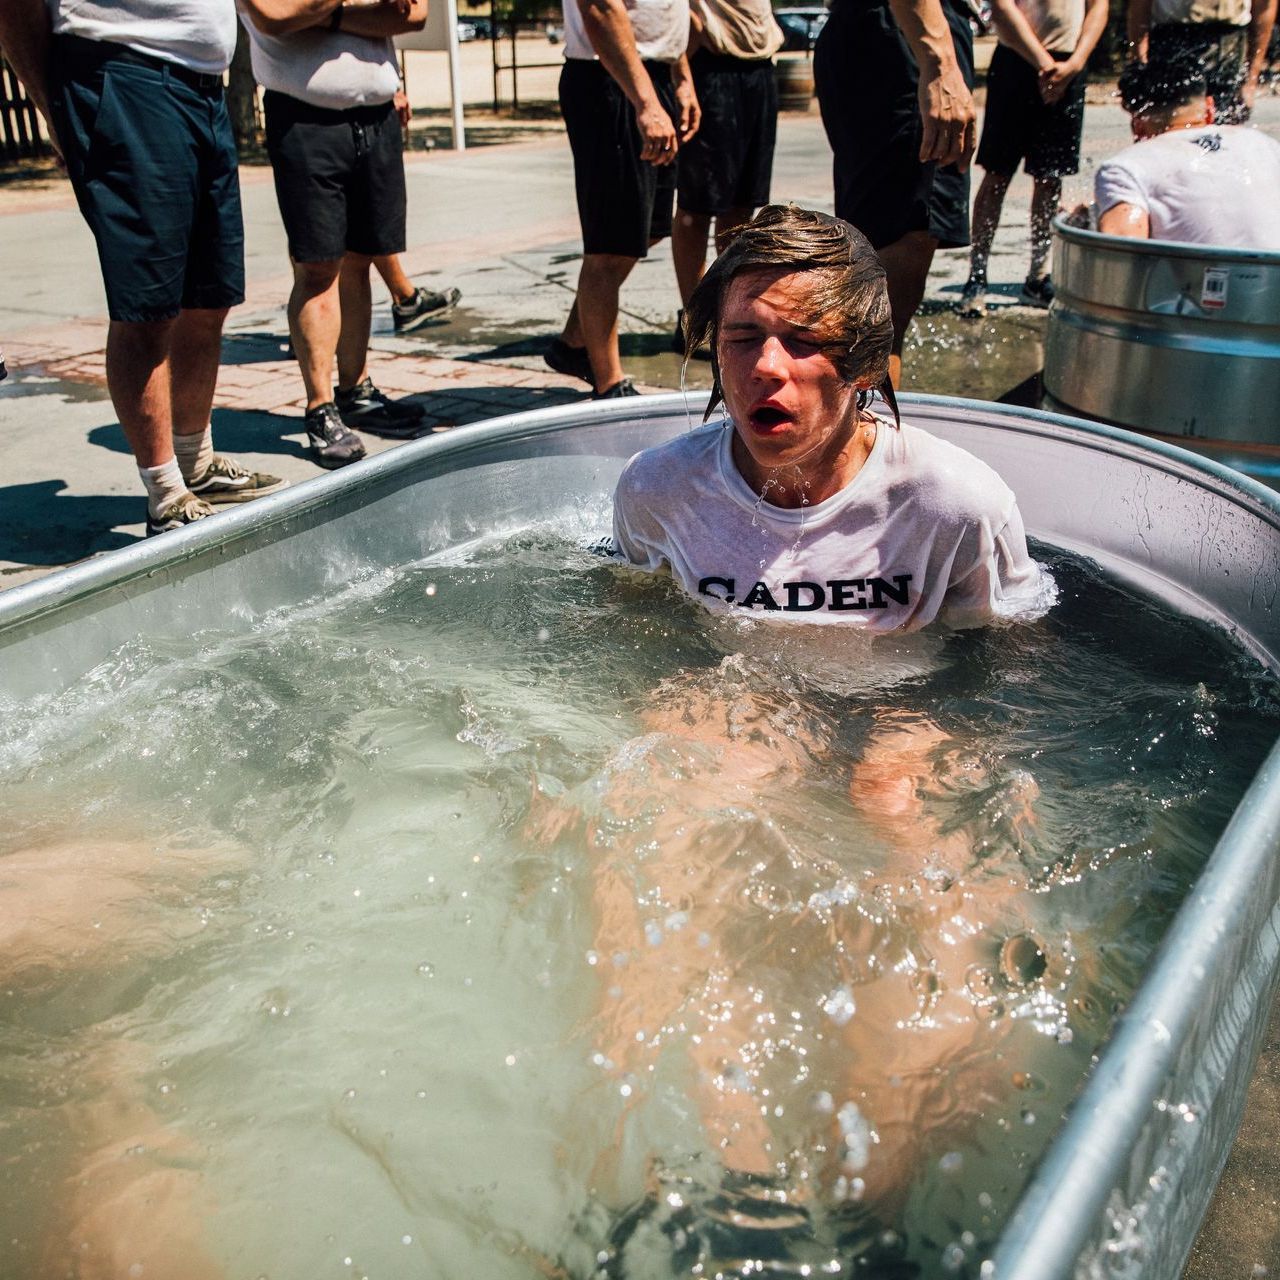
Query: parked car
x=800 y=26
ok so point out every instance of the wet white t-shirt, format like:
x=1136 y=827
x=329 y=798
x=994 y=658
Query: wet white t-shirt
x=923 y=531
x=1218 y=184
x=661 y=29
x=197 y=34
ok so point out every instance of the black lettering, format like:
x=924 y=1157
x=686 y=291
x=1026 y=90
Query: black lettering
x=705 y=585
x=759 y=594
x=898 y=593
x=843 y=593
x=817 y=597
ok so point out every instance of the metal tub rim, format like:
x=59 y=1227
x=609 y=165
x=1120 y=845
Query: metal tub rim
x=1059 y=1211
x=1162 y=248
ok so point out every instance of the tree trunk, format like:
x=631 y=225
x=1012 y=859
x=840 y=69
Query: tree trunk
x=242 y=97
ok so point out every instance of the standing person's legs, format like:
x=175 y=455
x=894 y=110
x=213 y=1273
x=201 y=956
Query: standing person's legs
x=151 y=158
x=356 y=299
x=1013 y=109
x=315 y=322
x=1045 y=201
x=399 y=286
x=907 y=210
x=906 y=265
x=618 y=197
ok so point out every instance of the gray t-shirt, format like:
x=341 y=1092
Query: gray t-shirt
x=1216 y=185
x=923 y=531
x=197 y=34
x=323 y=68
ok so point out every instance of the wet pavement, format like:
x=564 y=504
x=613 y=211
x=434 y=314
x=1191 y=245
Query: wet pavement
x=499 y=223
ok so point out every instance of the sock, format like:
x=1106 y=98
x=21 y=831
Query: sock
x=406 y=302
x=194 y=453
x=164 y=485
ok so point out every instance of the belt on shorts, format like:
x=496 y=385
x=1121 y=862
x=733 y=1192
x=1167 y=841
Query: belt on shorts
x=92 y=54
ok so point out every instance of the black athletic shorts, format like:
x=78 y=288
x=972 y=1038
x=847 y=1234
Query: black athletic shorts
x=866 y=82
x=152 y=160
x=624 y=202
x=1020 y=125
x=339 y=178
x=728 y=163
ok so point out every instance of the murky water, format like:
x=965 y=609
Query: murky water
x=509 y=917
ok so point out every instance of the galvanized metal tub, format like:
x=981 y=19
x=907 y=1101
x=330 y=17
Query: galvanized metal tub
x=1192 y=532
x=1178 y=339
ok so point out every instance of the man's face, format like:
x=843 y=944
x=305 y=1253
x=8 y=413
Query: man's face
x=789 y=406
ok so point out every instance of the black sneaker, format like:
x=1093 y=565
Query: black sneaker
x=182 y=511
x=332 y=445
x=571 y=361
x=624 y=387
x=367 y=409
x=1036 y=292
x=424 y=307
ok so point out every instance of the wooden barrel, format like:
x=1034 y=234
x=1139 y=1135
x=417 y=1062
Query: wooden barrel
x=795 y=82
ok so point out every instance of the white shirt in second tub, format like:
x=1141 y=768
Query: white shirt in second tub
x=924 y=531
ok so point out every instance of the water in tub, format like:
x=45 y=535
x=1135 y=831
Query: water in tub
x=509 y=916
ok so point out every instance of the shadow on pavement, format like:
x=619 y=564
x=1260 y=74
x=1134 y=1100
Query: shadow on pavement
x=471 y=403
x=43 y=526
x=234 y=431
x=254 y=348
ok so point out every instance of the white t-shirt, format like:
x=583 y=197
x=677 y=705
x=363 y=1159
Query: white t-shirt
x=923 y=531
x=330 y=69
x=661 y=29
x=197 y=34
x=1218 y=185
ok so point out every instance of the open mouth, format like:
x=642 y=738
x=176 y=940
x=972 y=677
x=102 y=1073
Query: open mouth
x=767 y=417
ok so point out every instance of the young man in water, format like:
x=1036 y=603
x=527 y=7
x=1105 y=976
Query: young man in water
x=1187 y=178
x=804 y=503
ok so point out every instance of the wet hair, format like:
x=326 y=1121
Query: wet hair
x=849 y=297
x=1163 y=84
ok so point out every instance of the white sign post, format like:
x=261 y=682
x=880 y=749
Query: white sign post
x=441 y=32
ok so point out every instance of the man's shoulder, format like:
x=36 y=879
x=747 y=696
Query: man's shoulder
x=669 y=464
x=950 y=480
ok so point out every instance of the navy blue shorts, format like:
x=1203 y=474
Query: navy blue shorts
x=728 y=163
x=153 y=163
x=866 y=80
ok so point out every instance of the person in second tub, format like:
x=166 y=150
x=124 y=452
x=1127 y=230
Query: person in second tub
x=803 y=503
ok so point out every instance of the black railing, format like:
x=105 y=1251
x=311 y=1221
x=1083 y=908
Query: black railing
x=20 y=136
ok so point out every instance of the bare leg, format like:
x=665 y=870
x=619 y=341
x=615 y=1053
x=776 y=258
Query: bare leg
x=1045 y=201
x=595 y=314
x=986 y=218
x=689 y=232
x=315 y=320
x=906 y=263
x=357 y=315
x=138 y=377
x=195 y=354
x=398 y=284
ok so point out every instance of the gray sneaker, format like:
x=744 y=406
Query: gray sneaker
x=424 y=307
x=184 y=510
x=332 y=444
x=226 y=481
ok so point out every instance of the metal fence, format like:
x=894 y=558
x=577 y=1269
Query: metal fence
x=20 y=136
